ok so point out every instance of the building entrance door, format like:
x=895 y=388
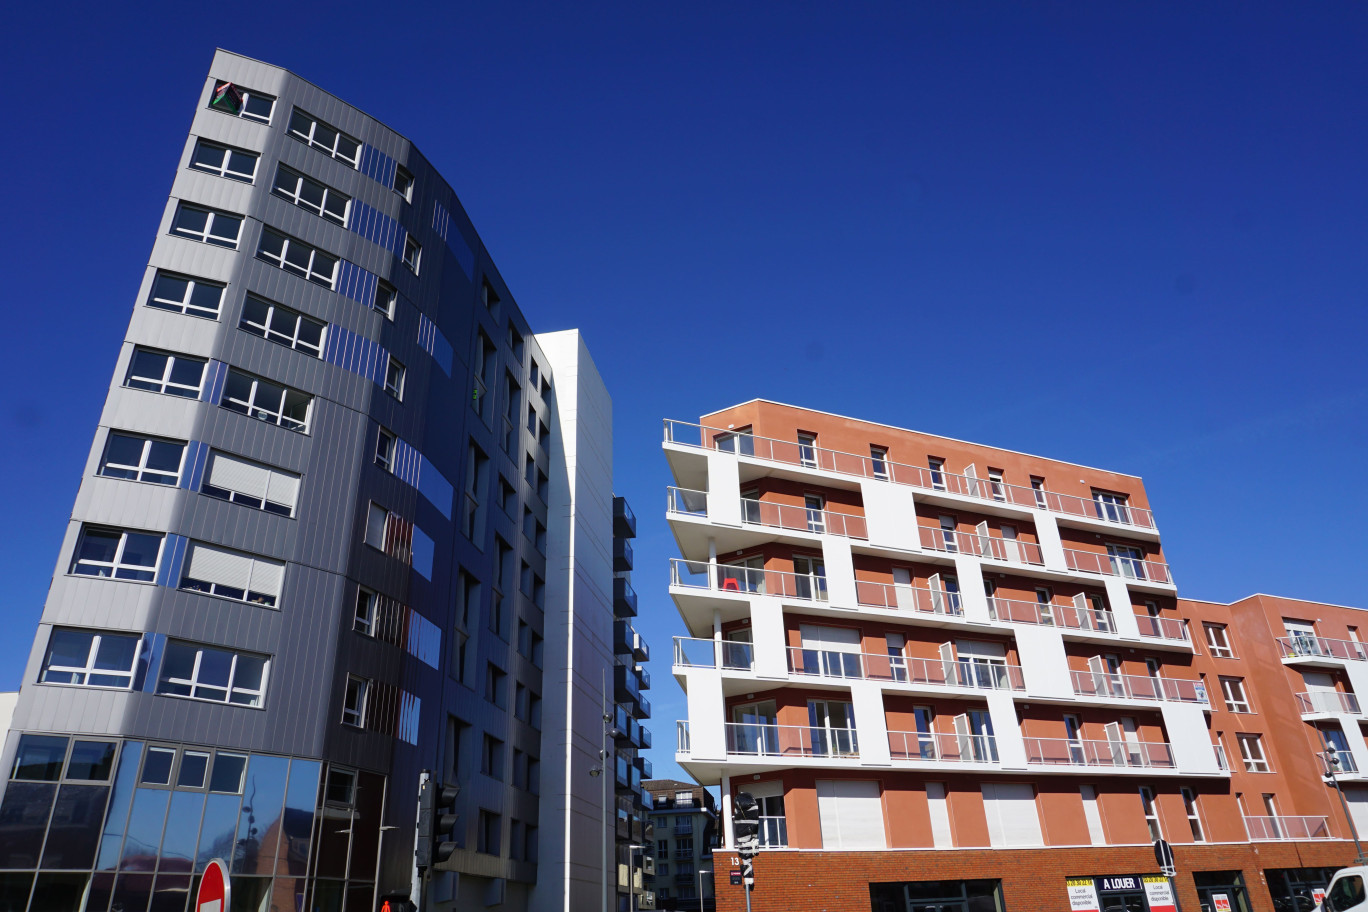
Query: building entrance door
x=1124 y=902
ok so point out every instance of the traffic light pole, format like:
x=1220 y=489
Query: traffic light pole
x=1332 y=766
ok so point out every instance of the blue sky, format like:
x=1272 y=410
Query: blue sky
x=1127 y=235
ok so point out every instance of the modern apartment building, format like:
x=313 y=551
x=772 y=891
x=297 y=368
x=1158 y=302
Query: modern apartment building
x=685 y=819
x=961 y=678
x=345 y=518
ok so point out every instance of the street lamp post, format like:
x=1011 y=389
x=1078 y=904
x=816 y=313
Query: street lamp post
x=701 y=872
x=1332 y=766
x=607 y=842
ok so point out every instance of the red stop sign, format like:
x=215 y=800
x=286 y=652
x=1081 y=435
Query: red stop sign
x=214 y=889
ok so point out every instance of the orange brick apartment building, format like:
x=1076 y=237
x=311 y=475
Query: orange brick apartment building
x=929 y=660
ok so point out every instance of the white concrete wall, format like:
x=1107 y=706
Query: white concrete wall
x=1047 y=533
x=890 y=515
x=1358 y=678
x=707 y=735
x=1187 y=733
x=724 y=489
x=972 y=597
x=1007 y=730
x=1119 y=598
x=1358 y=748
x=767 y=633
x=871 y=725
x=840 y=570
x=1043 y=662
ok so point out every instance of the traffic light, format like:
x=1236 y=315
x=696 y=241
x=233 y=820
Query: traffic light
x=397 y=902
x=436 y=823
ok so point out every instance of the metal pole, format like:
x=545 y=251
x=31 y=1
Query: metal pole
x=701 y=872
x=745 y=886
x=1328 y=754
x=603 y=762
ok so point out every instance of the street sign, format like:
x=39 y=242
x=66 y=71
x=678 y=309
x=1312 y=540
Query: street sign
x=215 y=889
x=735 y=877
x=1163 y=854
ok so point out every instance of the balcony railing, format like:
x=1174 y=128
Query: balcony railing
x=1118 y=565
x=1138 y=687
x=1266 y=829
x=1013 y=550
x=726 y=578
x=682 y=736
x=1345 y=759
x=773 y=832
x=790 y=517
x=760 y=739
x=1162 y=628
x=942 y=747
x=873 y=666
x=695 y=652
x=1328 y=701
x=906 y=597
x=1078 y=752
x=1014 y=611
x=1322 y=647
x=789 y=452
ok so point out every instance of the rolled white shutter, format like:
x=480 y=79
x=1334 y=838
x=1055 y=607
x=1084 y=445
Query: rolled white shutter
x=238 y=475
x=830 y=639
x=215 y=565
x=1011 y=811
x=266 y=576
x=283 y=488
x=980 y=648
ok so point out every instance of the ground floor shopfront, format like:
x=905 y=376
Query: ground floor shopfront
x=1239 y=877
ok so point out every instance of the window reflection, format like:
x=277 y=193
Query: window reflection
x=23 y=817
x=117 y=818
x=258 y=830
x=75 y=828
x=182 y=830
x=144 y=830
x=217 y=834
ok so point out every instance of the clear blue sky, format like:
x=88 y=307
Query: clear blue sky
x=1121 y=234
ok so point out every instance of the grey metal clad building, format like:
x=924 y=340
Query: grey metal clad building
x=344 y=518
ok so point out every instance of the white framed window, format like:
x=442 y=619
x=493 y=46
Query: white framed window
x=208 y=226
x=1111 y=506
x=1151 y=813
x=354 y=702
x=1218 y=643
x=807 y=449
x=164 y=372
x=329 y=140
x=280 y=324
x=241 y=102
x=225 y=161
x=1194 y=818
x=232 y=575
x=394 y=378
x=386 y=297
x=186 y=295
x=996 y=487
x=117 y=554
x=1038 y=488
x=307 y=193
x=267 y=401
x=1233 y=690
x=413 y=253
x=403 y=183
x=304 y=260
x=251 y=484
x=89 y=658
x=213 y=674
x=936 y=467
x=377 y=518
x=384 y=450
x=134 y=457
x=364 y=619
x=1252 y=752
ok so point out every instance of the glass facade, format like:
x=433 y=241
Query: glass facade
x=1297 y=889
x=937 y=896
x=93 y=825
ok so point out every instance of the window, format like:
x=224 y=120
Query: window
x=251 y=484
x=208 y=226
x=1194 y=819
x=878 y=461
x=491 y=297
x=295 y=256
x=194 y=766
x=232 y=575
x=937 y=468
x=117 y=553
x=384 y=450
x=807 y=449
x=477 y=467
x=313 y=132
x=496 y=684
x=413 y=252
x=534 y=706
x=354 y=702
x=1347 y=893
x=1218 y=643
x=492 y=757
x=1038 y=487
x=386 y=297
x=490 y=837
x=225 y=161
x=216 y=675
x=138 y=458
x=183 y=294
x=508 y=497
x=530 y=842
x=403 y=183
x=1233 y=690
x=163 y=372
x=363 y=621
x=340 y=788
x=378 y=522
x=662 y=845
x=307 y=193
x=521 y=707
x=282 y=325
x=1110 y=506
x=995 y=485
x=394 y=378
x=89 y=659
x=267 y=401
x=157 y=765
x=486 y=357
x=1252 y=752
x=239 y=102
x=947 y=533
x=1151 y=813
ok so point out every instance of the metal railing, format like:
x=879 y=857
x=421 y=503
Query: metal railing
x=1347 y=764
x=1162 y=628
x=873 y=666
x=1078 y=752
x=794 y=518
x=763 y=739
x=1328 y=701
x=942 y=747
x=1012 y=550
x=1322 y=647
x=790 y=452
x=1117 y=565
x=727 y=578
x=1267 y=829
x=696 y=652
x=686 y=501
x=682 y=744
x=906 y=597
x=1015 y=611
x=1138 y=687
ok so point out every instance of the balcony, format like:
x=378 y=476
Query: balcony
x=624 y=520
x=758 y=739
x=784 y=517
x=627 y=686
x=693 y=652
x=624 y=599
x=1344 y=759
x=1070 y=615
x=1107 y=684
x=872 y=666
x=1113 y=754
x=805 y=456
x=643 y=764
x=1280 y=829
x=622 y=555
x=1162 y=628
x=623 y=638
x=726 y=578
x=1316 y=650
x=1131 y=568
x=906 y=597
x=683 y=854
x=978 y=544
x=1327 y=701
x=941 y=747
